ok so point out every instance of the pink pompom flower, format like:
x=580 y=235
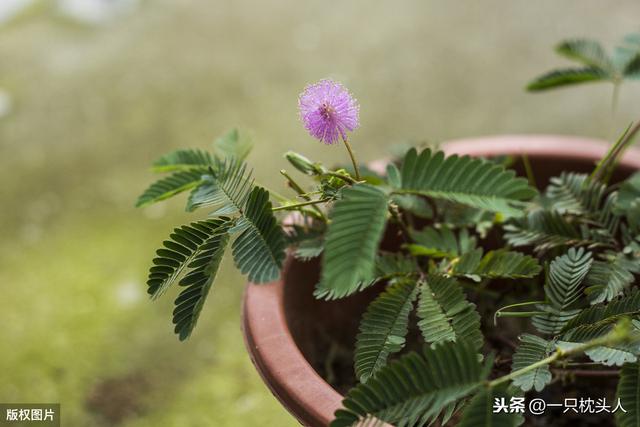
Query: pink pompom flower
x=328 y=111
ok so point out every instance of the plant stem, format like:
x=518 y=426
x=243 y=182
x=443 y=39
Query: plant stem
x=353 y=159
x=608 y=340
x=529 y=170
x=298 y=189
x=519 y=313
x=614 y=100
x=343 y=177
x=587 y=372
x=520 y=304
x=614 y=152
x=297 y=205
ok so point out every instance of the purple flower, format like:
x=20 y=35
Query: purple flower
x=328 y=111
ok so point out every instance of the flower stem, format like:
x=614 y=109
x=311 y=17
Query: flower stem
x=353 y=159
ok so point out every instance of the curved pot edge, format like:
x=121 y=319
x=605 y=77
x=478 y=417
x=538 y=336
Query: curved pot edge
x=537 y=145
x=304 y=393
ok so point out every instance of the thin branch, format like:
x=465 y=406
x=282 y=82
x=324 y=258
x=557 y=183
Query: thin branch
x=614 y=337
x=297 y=205
x=298 y=189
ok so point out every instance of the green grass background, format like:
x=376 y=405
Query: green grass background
x=93 y=106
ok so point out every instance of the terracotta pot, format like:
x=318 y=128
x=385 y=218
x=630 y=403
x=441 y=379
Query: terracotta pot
x=285 y=327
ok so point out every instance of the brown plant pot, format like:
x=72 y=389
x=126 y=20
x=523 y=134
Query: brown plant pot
x=285 y=327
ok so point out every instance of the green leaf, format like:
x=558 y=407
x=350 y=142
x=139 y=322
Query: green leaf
x=628 y=392
x=566 y=77
x=198 y=281
x=532 y=349
x=445 y=313
x=628 y=306
x=563 y=289
x=480 y=410
x=352 y=240
x=607 y=279
x=416 y=388
x=383 y=328
x=394 y=178
x=553 y=320
x=572 y=193
x=473 y=182
x=225 y=189
x=632 y=68
x=566 y=275
x=391 y=267
x=258 y=251
x=171 y=185
x=233 y=145
x=629 y=193
x=184 y=160
x=618 y=354
x=441 y=242
x=496 y=264
x=588 y=52
x=626 y=58
x=309 y=249
x=413 y=204
x=544 y=230
x=186 y=244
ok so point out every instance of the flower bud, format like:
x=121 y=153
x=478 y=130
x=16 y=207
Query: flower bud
x=303 y=164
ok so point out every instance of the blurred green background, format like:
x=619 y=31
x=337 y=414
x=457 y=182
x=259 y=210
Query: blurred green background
x=92 y=91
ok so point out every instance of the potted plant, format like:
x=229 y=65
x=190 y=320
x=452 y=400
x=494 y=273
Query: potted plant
x=443 y=288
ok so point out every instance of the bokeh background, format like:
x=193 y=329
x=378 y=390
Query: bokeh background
x=92 y=91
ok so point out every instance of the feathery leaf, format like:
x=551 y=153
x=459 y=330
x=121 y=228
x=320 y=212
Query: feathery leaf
x=171 y=185
x=532 y=349
x=628 y=392
x=258 y=251
x=383 y=328
x=563 y=289
x=588 y=52
x=416 y=388
x=480 y=410
x=186 y=243
x=567 y=76
x=441 y=242
x=545 y=230
x=572 y=193
x=445 y=313
x=473 y=182
x=356 y=228
x=496 y=264
x=233 y=145
x=198 y=281
x=226 y=189
x=628 y=306
x=618 y=355
x=184 y=160
x=607 y=279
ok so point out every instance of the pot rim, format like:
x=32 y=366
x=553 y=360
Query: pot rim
x=268 y=339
